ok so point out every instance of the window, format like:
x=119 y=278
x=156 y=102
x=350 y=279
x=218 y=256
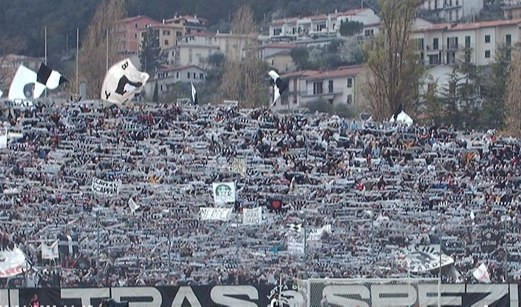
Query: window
x=349 y=99
x=368 y=33
x=508 y=40
x=431 y=87
x=452 y=42
x=201 y=76
x=136 y=25
x=487 y=54
x=277 y=31
x=467 y=56
x=135 y=35
x=330 y=86
x=452 y=88
x=435 y=44
x=177 y=75
x=317 y=88
x=349 y=82
x=166 y=42
x=419 y=43
x=195 y=75
x=487 y=38
x=188 y=75
x=467 y=41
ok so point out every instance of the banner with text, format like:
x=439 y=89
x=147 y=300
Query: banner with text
x=216 y=214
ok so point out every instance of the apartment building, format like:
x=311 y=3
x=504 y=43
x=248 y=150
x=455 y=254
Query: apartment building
x=453 y=10
x=336 y=87
x=128 y=30
x=191 y=24
x=511 y=9
x=196 y=48
x=168 y=77
x=475 y=43
x=324 y=25
x=167 y=33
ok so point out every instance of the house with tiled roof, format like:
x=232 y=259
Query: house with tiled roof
x=323 y=25
x=335 y=87
x=474 y=43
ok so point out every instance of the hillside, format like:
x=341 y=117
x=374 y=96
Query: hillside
x=23 y=21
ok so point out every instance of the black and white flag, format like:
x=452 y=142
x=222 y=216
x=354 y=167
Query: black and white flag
x=23 y=85
x=295 y=227
x=279 y=85
x=194 y=94
x=49 y=78
x=122 y=82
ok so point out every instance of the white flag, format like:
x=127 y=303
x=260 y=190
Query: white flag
x=215 y=214
x=50 y=251
x=122 y=82
x=194 y=94
x=24 y=85
x=13 y=262
x=481 y=274
x=132 y=205
x=3 y=141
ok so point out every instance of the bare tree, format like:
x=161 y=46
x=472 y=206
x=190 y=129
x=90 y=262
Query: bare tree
x=391 y=61
x=243 y=21
x=244 y=80
x=94 y=46
x=512 y=97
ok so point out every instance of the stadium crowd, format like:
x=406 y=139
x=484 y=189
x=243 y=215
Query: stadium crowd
x=385 y=189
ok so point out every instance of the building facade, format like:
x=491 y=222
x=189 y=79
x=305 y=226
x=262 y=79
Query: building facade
x=335 y=87
x=472 y=43
x=324 y=25
x=128 y=31
x=453 y=10
x=168 y=77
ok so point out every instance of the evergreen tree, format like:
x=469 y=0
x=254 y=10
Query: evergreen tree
x=150 y=53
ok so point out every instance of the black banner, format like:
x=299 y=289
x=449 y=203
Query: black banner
x=164 y=296
x=370 y=293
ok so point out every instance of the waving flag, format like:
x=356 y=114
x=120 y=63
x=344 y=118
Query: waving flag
x=279 y=85
x=194 y=95
x=23 y=85
x=49 y=78
x=122 y=82
x=481 y=274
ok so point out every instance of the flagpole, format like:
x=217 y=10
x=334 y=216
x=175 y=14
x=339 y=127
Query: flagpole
x=439 y=277
x=77 y=58
x=107 y=51
x=45 y=42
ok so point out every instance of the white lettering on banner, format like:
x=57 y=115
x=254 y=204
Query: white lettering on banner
x=252 y=216
x=216 y=214
x=224 y=192
x=428 y=295
x=188 y=294
x=123 y=294
x=4 y=298
x=105 y=187
x=393 y=295
x=495 y=293
x=85 y=294
x=221 y=296
x=12 y=262
x=335 y=295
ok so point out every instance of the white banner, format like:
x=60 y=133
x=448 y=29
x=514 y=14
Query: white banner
x=215 y=214
x=50 y=251
x=295 y=247
x=12 y=262
x=105 y=187
x=224 y=192
x=252 y=216
x=239 y=166
x=423 y=259
x=316 y=234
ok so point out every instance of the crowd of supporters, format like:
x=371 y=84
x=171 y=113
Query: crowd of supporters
x=385 y=189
